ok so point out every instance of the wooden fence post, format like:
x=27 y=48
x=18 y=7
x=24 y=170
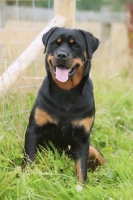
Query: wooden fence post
x=14 y=71
x=2 y=11
x=67 y=9
x=106 y=26
x=106 y=31
x=2 y=14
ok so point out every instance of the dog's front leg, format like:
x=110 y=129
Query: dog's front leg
x=81 y=158
x=31 y=142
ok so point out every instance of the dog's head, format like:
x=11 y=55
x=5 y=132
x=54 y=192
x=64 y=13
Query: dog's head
x=67 y=55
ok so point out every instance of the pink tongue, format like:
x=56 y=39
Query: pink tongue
x=62 y=74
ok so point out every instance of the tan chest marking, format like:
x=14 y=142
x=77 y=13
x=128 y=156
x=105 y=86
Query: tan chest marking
x=86 y=123
x=42 y=117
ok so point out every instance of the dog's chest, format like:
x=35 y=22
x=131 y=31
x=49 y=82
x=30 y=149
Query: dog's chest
x=60 y=134
x=66 y=106
x=61 y=117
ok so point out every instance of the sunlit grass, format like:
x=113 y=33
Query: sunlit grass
x=53 y=177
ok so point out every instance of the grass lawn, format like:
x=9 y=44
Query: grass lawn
x=53 y=177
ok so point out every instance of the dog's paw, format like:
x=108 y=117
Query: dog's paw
x=79 y=188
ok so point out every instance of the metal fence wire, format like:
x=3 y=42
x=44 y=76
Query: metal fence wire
x=19 y=26
x=22 y=21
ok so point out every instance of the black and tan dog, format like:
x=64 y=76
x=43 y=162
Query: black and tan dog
x=64 y=110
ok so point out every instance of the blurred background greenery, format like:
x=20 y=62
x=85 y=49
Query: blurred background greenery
x=115 y=5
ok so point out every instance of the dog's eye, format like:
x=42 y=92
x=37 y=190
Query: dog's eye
x=75 y=45
x=55 y=44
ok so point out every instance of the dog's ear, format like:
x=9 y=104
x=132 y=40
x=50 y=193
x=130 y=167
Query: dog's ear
x=47 y=35
x=92 y=43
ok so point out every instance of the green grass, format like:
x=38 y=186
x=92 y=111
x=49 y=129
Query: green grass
x=53 y=177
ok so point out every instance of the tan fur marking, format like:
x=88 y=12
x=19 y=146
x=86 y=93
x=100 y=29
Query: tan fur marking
x=71 y=41
x=58 y=40
x=85 y=55
x=79 y=171
x=95 y=154
x=49 y=59
x=77 y=61
x=74 y=80
x=42 y=117
x=86 y=123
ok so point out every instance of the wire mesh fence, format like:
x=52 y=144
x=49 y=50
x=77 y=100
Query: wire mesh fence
x=19 y=27
x=17 y=34
x=20 y=23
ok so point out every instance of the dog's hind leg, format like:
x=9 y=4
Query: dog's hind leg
x=95 y=158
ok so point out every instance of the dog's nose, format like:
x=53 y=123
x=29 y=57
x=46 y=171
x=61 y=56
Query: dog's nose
x=62 y=55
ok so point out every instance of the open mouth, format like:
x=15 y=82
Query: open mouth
x=62 y=74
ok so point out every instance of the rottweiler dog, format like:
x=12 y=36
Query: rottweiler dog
x=64 y=110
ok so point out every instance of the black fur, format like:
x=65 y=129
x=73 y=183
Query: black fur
x=64 y=105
